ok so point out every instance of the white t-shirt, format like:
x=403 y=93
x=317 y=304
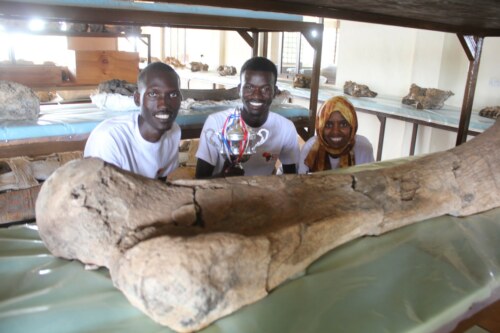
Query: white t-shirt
x=281 y=144
x=118 y=141
x=363 y=153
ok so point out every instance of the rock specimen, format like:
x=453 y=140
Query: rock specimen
x=426 y=98
x=174 y=62
x=96 y=28
x=77 y=27
x=225 y=70
x=46 y=96
x=116 y=86
x=18 y=102
x=358 y=90
x=189 y=252
x=492 y=112
x=301 y=81
x=123 y=29
x=198 y=66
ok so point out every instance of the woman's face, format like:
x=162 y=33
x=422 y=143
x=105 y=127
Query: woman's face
x=337 y=131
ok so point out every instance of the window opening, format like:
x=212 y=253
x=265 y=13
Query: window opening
x=290 y=55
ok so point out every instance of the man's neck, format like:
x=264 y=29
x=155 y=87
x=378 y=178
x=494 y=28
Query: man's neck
x=254 y=121
x=147 y=132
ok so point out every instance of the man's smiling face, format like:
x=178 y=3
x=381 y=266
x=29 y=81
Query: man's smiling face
x=160 y=99
x=257 y=90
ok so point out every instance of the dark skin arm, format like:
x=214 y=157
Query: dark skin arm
x=205 y=169
x=289 y=168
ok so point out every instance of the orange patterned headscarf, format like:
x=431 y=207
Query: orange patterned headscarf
x=317 y=159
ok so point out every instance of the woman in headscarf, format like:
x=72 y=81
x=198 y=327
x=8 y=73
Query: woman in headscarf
x=336 y=144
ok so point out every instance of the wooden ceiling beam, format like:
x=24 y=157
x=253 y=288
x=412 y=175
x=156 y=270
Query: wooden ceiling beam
x=318 y=10
x=469 y=45
x=16 y=10
x=246 y=37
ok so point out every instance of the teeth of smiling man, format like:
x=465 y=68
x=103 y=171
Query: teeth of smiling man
x=256 y=103
x=162 y=116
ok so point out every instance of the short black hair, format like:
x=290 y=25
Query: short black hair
x=260 y=64
x=153 y=67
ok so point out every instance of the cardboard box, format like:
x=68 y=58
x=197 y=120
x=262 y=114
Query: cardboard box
x=94 y=67
x=33 y=75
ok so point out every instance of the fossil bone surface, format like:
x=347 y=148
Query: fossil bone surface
x=426 y=98
x=189 y=252
x=492 y=112
x=358 y=90
x=18 y=102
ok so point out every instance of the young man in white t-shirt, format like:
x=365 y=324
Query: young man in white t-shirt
x=257 y=89
x=146 y=143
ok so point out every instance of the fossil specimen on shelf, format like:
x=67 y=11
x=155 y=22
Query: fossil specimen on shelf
x=174 y=62
x=224 y=70
x=426 y=98
x=492 y=112
x=301 y=81
x=116 y=86
x=198 y=66
x=358 y=90
x=18 y=102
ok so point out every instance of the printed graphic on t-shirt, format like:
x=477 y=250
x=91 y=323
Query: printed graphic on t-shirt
x=270 y=157
x=160 y=171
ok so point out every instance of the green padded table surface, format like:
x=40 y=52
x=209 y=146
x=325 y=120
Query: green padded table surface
x=424 y=277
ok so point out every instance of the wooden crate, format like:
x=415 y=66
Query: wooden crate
x=94 y=67
x=32 y=75
x=17 y=206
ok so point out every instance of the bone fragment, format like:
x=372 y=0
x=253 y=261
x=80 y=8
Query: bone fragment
x=190 y=252
x=492 y=112
x=225 y=70
x=301 y=81
x=426 y=98
x=18 y=102
x=358 y=90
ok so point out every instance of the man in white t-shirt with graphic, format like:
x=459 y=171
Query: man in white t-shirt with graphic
x=257 y=89
x=145 y=143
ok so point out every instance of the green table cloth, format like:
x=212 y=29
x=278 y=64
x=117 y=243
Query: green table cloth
x=420 y=278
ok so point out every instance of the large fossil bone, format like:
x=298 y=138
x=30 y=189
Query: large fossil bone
x=190 y=252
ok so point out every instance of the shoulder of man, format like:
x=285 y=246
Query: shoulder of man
x=220 y=115
x=117 y=122
x=276 y=117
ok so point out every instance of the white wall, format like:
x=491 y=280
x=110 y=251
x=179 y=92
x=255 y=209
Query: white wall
x=454 y=72
x=377 y=55
x=329 y=41
x=203 y=46
x=389 y=59
x=488 y=83
x=237 y=50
